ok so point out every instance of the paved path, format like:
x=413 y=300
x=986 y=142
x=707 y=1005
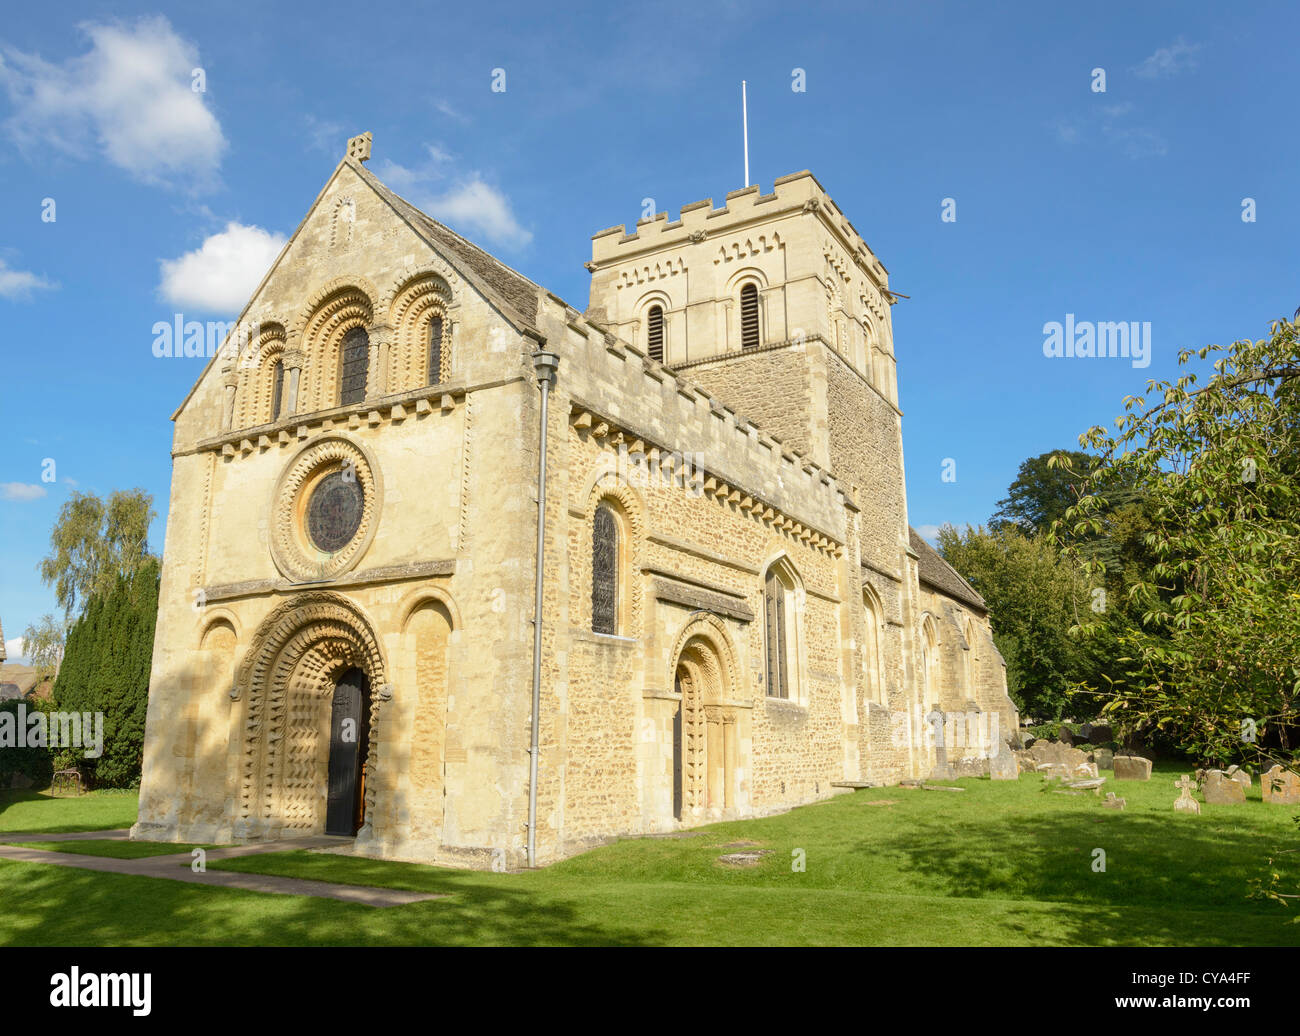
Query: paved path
x=175 y=867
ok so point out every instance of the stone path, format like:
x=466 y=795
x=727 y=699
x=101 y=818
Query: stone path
x=175 y=867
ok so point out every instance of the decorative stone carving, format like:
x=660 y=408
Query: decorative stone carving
x=292 y=548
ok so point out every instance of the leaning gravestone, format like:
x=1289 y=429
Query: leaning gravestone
x=1185 y=803
x=1132 y=768
x=1112 y=802
x=1221 y=790
x=1280 y=787
x=1003 y=766
x=1104 y=758
x=1239 y=775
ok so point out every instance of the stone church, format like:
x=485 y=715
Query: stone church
x=467 y=575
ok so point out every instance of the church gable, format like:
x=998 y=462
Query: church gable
x=369 y=297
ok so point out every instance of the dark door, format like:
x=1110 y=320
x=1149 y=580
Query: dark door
x=349 y=734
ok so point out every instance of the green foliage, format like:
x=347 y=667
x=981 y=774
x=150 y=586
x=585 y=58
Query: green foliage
x=94 y=542
x=36 y=764
x=43 y=644
x=106 y=669
x=1208 y=635
x=1034 y=598
x=1040 y=493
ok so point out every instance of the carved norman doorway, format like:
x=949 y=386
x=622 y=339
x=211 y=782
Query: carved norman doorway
x=706 y=746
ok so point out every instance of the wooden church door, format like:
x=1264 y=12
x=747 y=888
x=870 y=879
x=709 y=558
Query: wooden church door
x=349 y=734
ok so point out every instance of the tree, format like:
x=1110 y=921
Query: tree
x=1041 y=492
x=109 y=656
x=1034 y=598
x=43 y=644
x=1210 y=646
x=93 y=543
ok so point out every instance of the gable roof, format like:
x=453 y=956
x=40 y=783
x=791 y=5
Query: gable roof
x=512 y=293
x=940 y=576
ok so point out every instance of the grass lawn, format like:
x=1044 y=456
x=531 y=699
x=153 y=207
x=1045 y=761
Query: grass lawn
x=997 y=864
x=37 y=811
x=116 y=848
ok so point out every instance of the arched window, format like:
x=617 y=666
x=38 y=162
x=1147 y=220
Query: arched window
x=353 y=363
x=655 y=333
x=871 y=649
x=749 y=331
x=929 y=662
x=435 y=349
x=277 y=389
x=604 y=570
x=781 y=626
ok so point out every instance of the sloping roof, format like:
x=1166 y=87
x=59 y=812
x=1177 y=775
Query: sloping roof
x=513 y=293
x=23 y=677
x=941 y=576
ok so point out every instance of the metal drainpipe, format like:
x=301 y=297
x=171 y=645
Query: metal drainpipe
x=545 y=363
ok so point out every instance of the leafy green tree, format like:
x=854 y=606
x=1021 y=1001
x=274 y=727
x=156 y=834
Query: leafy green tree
x=106 y=669
x=43 y=644
x=1034 y=598
x=1209 y=645
x=1041 y=492
x=94 y=542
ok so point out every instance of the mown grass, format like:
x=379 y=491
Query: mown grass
x=117 y=848
x=999 y=863
x=38 y=811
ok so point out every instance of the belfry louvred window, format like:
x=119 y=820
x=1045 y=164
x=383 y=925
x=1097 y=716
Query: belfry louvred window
x=749 y=333
x=277 y=390
x=604 y=571
x=655 y=333
x=353 y=364
x=435 y=350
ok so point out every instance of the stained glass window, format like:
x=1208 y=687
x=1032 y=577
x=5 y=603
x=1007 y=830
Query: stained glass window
x=655 y=333
x=435 y=350
x=277 y=389
x=355 y=360
x=749 y=337
x=334 y=511
x=604 y=571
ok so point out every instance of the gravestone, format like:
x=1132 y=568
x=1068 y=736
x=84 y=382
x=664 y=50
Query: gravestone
x=1239 y=775
x=1132 y=768
x=1112 y=802
x=1185 y=803
x=1003 y=766
x=1104 y=758
x=1221 y=790
x=1280 y=787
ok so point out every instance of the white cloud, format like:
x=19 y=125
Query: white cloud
x=477 y=207
x=929 y=533
x=14 y=649
x=21 y=491
x=221 y=274
x=1139 y=143
x=19 y=284
x=1179 y=56
x=130 y=96
x=466 y=202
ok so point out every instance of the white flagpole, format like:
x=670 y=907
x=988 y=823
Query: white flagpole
x=744 y=115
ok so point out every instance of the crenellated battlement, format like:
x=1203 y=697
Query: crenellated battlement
x=698 y=222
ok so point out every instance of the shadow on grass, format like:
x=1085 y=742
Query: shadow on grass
x=49 y=905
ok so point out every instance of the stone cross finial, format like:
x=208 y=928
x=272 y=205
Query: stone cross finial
x=359 y=147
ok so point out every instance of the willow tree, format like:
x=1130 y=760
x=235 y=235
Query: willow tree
x=94 y=542
x=1211 y=642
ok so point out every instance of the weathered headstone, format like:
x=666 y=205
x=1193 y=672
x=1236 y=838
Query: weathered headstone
x=1112 y=802
x=1066 y=736
x=1003 y=766
x=1104 y=758
x=1239 y=775
x=1185 y=803
x=1221 y=790
x=1280 y=787
x=1101 y=733
x=1132 y=768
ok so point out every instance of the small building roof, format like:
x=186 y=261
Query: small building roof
x=940 y=576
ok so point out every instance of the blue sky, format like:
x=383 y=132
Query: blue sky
x=1123 y=205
